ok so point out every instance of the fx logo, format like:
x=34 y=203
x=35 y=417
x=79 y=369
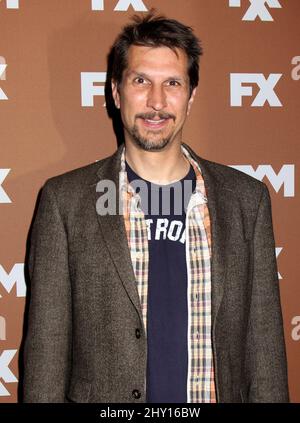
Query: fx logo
x=122 y=5
x=266 y=89
x=257 y=9
x=5 y=373
x=12 y=4
x=4 y=198
x=89 y=89
x=285 y=177
x=15 y=277
x=3 y=66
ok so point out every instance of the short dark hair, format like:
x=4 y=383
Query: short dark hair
x=154 y=30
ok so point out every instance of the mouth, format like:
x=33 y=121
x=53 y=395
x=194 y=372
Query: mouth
x=155 y=123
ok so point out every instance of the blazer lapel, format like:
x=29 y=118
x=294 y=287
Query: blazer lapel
x=114 y=233
x=219 y=205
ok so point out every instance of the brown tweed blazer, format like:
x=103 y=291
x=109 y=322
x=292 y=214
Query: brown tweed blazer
x=86 y=341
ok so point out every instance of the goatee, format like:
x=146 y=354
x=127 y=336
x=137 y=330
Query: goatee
x=146 y=144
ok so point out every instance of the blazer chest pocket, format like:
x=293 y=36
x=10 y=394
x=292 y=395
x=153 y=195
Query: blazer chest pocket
x=79 y=390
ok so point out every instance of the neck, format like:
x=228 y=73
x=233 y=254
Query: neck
x=160 y=167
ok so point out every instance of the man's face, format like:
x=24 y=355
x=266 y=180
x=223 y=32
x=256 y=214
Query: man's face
x=154 y=96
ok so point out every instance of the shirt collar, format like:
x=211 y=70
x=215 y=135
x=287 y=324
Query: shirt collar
x=198 y=196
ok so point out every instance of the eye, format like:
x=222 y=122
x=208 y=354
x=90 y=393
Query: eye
x=140 y=80
x=174 y=83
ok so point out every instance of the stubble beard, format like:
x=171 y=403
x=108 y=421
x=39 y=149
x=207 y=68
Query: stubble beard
x=147 y=144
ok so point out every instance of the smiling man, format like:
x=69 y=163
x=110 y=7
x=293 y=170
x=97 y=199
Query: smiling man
x=175 y=298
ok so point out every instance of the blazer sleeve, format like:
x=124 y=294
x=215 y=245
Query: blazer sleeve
x=266 y=355
x=47 y=349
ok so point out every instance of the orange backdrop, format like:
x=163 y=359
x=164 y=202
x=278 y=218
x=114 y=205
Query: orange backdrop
x=53 y=119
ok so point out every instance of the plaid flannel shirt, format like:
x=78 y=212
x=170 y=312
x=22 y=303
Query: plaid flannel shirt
x=200 y=378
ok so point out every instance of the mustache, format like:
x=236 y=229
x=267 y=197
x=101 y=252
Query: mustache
x=152 y=115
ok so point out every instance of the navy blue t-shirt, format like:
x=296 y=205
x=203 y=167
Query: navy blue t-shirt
x=167 y=312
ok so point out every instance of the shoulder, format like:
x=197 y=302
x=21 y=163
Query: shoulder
x=73 y=190
x=75 y=179
x=217 y=175
x=232 y=175
x=233 y=179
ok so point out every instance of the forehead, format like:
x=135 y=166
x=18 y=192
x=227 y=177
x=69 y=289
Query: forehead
x=156 y=59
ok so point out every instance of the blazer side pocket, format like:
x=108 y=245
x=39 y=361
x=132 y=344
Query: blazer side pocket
x=79 y=390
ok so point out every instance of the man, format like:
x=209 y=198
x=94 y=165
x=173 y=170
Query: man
x=132 y=302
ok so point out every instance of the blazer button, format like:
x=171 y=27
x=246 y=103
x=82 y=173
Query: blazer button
x=136 y=394
x=137 y=333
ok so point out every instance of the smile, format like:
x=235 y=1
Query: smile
x=157 y=124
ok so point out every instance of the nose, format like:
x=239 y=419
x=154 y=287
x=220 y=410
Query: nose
x=156 y=98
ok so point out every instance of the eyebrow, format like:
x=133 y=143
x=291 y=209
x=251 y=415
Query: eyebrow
x=144 y=75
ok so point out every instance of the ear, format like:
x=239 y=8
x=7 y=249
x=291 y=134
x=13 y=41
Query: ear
x=115 y=93
x=191 y=101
